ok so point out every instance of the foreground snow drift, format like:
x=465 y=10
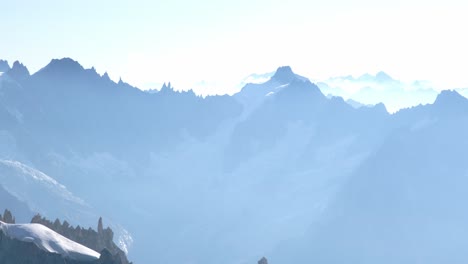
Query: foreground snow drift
x=48 y=240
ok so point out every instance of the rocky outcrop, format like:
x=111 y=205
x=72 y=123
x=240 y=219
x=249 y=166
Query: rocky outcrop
x=7 y=217
x=100 y=240
x=263 y=261
x=18 y=72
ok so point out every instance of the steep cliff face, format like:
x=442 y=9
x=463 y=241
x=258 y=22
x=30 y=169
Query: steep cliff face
x=99 y=240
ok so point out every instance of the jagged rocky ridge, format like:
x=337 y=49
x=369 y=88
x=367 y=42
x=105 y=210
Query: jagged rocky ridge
x=16 y=251
x=96 y=240
x=7 y=217
x=284 y=174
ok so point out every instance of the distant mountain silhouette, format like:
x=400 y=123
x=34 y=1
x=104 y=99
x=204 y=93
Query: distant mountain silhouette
x=278 y=169
x=284 y=75
x=405 y=202
x=62 y=67
x=356 y=104
x=18 y=72
x=4 y=66
x=253 y=94
x=450 y=98
x=380 y=88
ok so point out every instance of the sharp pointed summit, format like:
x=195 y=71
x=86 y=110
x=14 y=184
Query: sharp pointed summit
x=4 y=66
x=106 y=77
x=284 y=75
x=18 y=72
x=383 y=77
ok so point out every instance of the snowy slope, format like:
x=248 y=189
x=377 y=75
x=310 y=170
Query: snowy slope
x=27 y=175
x=39 y=190
x=48 y=240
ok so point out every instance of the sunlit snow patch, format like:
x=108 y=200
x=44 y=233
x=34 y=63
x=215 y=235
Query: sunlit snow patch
x=48 y=240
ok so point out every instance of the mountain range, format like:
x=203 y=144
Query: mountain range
x=370 y=89
x=277 y=169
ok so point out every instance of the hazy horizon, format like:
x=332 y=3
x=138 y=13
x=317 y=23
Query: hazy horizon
x=337 y=133
x=214 y=44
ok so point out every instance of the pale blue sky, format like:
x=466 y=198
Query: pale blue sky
x=220 y=42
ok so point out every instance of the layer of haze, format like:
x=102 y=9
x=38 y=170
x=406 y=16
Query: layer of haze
x=212 y=44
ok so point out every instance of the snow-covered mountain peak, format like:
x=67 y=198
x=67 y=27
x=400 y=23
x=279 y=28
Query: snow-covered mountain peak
x=48 y=240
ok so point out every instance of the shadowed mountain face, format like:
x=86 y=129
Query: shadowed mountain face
x=96 y=135
x=406 y=203
x=4 y=66
x=92 y=112
x=277 y=169
x=18 y=72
